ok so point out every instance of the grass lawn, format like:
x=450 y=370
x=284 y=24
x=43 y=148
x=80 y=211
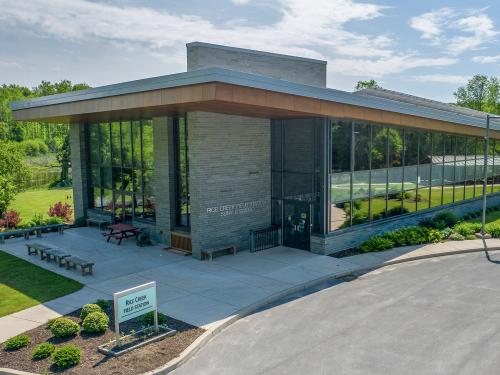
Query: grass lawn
x=492 y=217
x=34 y=202
x=23 y=284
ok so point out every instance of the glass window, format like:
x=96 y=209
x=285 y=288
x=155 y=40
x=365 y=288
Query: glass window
x=115 y=144
x=395 y=137
x=395 y=180
x=119 y=188
x=341 y=187
x=362 y=135
x=94 y=142
x=425 y=147
x=411 y=147
x=360 y=184
x=379 y=182
x=183 y=208
x=104 y=144
x=360 y=209
x=341 y=146
x=379 y=147
x=126 y=130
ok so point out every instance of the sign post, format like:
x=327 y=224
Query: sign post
x=134 y=302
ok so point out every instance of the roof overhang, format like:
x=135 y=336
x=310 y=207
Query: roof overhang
x=226 y=91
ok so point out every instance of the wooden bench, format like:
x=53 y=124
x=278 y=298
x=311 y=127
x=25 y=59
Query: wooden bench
x=99 y=222
x=34 y=248
x=208 y=253
x=14 y=233
x=85 y=265
x=40 y=228
x=58 y=255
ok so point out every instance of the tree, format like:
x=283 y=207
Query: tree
x=63 y=156
x=14 y=174
x=371 y=84
x=480 y=93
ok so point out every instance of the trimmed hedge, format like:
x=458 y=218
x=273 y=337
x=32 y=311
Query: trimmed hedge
x=95 y=322
x=64 y=327
x=67 y=356
x=89 y=308
x=17 y=342
x=42 y=351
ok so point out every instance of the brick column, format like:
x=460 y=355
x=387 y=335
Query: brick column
x=163 y=176
x=79 y=169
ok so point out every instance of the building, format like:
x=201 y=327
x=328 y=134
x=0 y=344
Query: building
x=246 y=140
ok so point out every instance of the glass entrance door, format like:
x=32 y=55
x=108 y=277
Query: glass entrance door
x=297 y=224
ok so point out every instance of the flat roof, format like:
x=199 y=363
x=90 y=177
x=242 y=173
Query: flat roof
x=259 y=82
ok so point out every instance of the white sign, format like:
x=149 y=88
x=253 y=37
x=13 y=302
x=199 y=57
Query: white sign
x=134 y=302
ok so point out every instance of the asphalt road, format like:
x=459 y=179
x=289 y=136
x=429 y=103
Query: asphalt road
x=439 y=316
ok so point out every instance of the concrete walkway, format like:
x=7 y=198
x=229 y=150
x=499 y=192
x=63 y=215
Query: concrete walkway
x=204 y=294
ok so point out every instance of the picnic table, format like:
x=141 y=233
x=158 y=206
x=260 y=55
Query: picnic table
x=121 y=231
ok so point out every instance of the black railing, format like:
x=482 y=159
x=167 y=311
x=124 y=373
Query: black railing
x=264 y=238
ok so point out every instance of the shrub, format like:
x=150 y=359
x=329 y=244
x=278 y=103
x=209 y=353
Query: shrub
x=427 y=222
x=103 y=304
x=43 y=350
x=81 y=221
x=30 y=147
x=456 y=237
x=37 y=220
x=54 y=220
x=64 y=327
x=493 y=229
x=409 y=236
x=434 y=236
x=467 y=229
x=376 y=243
x=10 y=219
x=148 y=319
x=50 y=322
x=449 y=218
x=62 y=210
x=17 y=342
x=67 y=356
x=95 y=322
x=446 y=232
x=89 y=308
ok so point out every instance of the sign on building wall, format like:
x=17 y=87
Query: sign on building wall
x=237 y=208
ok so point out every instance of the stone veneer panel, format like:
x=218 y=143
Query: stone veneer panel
x=230 y=178
x=78 y=144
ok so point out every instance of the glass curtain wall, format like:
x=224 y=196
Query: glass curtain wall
x=182 y=201
x=381 y=171
x=121 y=169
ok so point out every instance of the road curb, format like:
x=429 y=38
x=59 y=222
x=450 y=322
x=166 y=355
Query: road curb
x=201 y=341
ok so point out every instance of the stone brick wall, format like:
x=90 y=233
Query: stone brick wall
x=79 y=169
x=289 y=68
x=352 y=237
x=230 y=178
x=163 y=179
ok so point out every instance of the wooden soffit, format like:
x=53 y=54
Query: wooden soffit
x=229 y=99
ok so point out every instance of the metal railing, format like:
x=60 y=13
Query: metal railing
x=264 y=238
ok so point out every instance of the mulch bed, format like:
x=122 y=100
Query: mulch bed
x=137 y=361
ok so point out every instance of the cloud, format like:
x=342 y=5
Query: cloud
x=240 y=2
x=9 y=64
x=455 y=31
x=385 y=66
x=316 y=30
x=443 y=78
x=486 y=59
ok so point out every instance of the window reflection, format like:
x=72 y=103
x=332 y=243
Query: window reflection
x=120 y=169
x=397 y=171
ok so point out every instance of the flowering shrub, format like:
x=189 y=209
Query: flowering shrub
x=10 y=219
x=61 y=210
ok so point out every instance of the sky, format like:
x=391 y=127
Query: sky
x=424 y=48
